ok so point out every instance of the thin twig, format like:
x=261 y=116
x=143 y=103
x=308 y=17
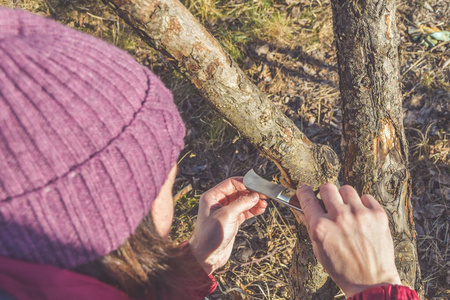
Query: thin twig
x=182 y=193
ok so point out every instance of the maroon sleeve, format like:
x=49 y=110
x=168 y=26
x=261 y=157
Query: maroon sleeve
x=207 y=282
x=387 y=292
x=199 y=285
x=212 y=286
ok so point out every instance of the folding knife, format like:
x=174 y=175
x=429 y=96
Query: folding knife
x=277 y=192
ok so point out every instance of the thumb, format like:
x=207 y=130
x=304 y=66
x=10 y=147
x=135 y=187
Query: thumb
x=243 y=204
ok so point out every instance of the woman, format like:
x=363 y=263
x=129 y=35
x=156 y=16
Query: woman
x=90 y=141
x=88 y=151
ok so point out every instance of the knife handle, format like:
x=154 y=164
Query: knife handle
x=285 y=195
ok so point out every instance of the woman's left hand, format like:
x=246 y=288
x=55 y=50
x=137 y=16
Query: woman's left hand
x=222 y=209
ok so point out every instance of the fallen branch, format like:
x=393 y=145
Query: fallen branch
x=170 y=28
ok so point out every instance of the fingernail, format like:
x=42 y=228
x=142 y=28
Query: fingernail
x=303 y=186
x=254 y=197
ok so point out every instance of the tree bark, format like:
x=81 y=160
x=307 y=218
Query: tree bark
x=309 y=280
x=170 y=28
x=375 y=148
x=374 y=142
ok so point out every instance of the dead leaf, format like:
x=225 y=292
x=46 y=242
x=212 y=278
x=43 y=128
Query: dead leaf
x=248 y=63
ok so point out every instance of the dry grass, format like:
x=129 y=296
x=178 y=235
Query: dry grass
x=286 y=48
x=426 y=78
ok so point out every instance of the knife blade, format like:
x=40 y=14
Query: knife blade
x=276 y=192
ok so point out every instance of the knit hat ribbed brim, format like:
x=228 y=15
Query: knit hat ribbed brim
x=87 y=138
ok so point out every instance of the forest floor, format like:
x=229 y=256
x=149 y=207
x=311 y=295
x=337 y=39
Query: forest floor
x=286 y=47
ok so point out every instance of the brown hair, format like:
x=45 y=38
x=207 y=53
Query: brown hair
x=146 y=265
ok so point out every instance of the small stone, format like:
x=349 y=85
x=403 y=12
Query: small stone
x=416 y=101
x=419 y=229
x=262 y=50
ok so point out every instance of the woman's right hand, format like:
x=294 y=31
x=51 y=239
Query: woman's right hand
x=351 y=239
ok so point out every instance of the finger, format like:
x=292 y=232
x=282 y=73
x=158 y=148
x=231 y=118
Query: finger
x=242 y=204
x=370 y=202
x=259 y=208
x=225 y=191
x=309 y=203
x=261 y=204
x=331 y=197
x=262 y=196
x=350 y=197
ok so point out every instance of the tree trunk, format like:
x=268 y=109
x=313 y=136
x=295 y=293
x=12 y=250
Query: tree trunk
x=309 y=280
x=170 y=28
x=375 y=149
x=374 y=142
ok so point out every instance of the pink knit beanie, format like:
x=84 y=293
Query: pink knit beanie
x=87 y=138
